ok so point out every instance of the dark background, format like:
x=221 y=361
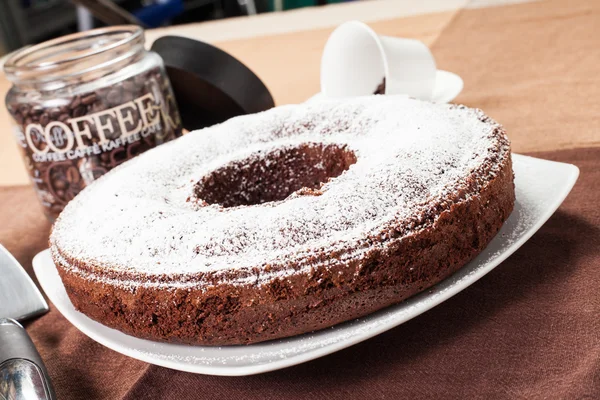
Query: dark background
x=24 y=22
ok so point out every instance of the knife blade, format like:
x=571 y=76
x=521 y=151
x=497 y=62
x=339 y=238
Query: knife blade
x=22 y=372
x=19 y=297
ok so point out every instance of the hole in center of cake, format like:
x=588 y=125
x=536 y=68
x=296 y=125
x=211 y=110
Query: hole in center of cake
x=274 y=175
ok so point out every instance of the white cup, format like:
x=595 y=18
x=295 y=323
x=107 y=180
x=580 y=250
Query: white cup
x=355 y=61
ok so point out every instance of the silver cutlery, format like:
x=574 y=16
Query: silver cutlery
x=22 y=371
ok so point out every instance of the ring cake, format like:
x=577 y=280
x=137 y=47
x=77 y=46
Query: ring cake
x=286 y=221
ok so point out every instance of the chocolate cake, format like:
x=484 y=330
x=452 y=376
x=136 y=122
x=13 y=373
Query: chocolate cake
x=287 y=221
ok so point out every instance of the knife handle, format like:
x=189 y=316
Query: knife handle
x=22 y=372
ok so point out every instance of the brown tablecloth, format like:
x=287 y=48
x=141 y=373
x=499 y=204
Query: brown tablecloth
x=529 y=329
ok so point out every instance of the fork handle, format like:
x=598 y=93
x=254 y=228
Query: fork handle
x=22 y=372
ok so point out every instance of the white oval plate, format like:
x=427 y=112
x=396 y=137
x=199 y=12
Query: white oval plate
x=541 y=187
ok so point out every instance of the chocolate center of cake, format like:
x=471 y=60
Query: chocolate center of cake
x=274 y=175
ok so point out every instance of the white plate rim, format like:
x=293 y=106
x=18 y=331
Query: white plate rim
x=39 y=263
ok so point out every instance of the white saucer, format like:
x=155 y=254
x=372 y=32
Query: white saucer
x=541 y=187
x=448 y=85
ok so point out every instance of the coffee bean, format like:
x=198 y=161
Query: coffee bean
x=102 y=92
x=128 y=85
x=98 y=172
x=60 y=184
x=114 y=96
x=72 y=175
x=60 y=193
x=44 y=119
x=69 y=195
x=54 y=112
x=76 y=102
x=127 y=97
x=24 y=109
x=79 y=111
x=63 y=117
x=140 y=79
x=88 y=99
x=98 y=106
x=37 y=110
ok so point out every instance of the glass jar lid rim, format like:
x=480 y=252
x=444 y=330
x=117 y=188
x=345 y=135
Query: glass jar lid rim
x=16 y=63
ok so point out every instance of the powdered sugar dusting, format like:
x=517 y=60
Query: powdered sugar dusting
x=138 y=220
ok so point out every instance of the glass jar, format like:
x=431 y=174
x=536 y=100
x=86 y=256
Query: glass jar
x=83 y=104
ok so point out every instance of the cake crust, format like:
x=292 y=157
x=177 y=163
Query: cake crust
x=400 y=258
